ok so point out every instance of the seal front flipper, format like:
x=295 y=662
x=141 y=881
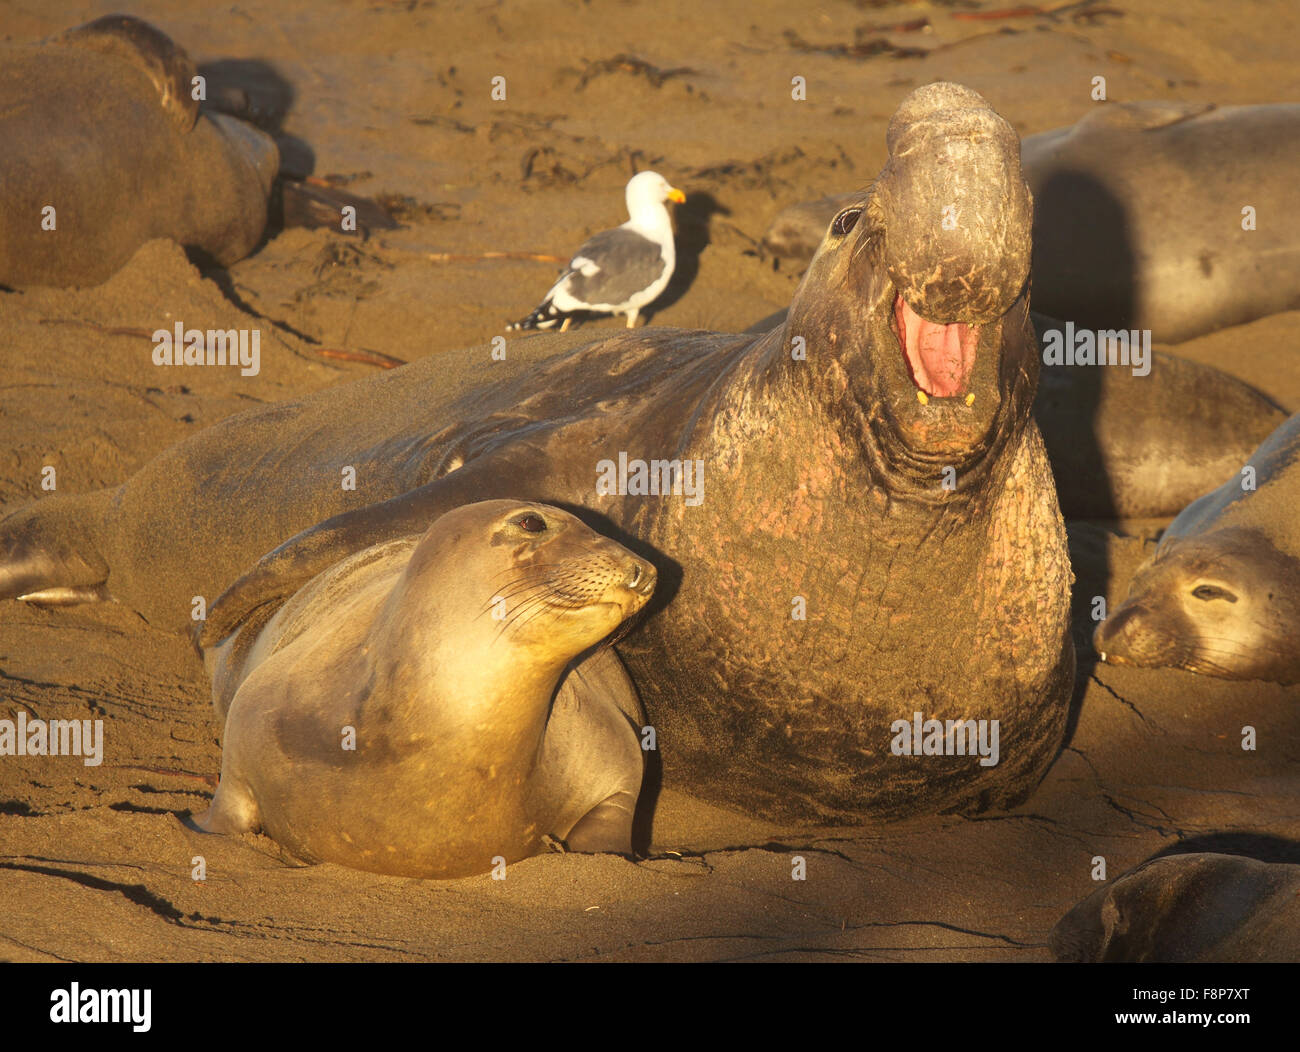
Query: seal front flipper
x=61 y=596
x=233 y=810
x=592 y=757
x=607 y=827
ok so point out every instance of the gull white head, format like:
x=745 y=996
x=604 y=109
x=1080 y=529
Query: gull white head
x=646 y=194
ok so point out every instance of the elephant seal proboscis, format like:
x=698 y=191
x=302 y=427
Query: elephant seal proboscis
x=396 y=714
x=1187 y=909
x=1168 y=216
x=871 y=531
x=105 y=148
x=1221 y=594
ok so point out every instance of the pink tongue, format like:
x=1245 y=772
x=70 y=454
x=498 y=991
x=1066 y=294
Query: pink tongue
x=940 y=356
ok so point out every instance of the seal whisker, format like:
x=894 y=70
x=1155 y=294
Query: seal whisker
x=524 y=588
x=528 y=593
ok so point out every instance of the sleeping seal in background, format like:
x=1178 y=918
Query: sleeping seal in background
x=1198 y=908
x=105 y=148
x=396 y=715
x=1129 y=445
x=1221 y=595
x=1138 y=217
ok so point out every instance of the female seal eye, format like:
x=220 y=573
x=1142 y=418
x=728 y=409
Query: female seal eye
x=1209 y=591
x=531 y=523
x=845 y=221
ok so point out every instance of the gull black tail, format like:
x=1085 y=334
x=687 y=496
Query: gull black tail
x=543 y=317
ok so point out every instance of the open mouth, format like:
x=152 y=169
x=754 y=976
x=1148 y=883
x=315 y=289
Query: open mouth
x=939 y=357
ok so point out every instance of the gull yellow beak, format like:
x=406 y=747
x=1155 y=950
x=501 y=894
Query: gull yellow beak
x=676 y=196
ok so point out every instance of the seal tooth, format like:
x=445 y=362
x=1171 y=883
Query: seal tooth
x=970 y=398
x=1102 y=654
x=922 y=398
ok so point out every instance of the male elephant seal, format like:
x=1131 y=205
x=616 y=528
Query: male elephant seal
x=1221 y=595
x=1201 y=908
x=101 y=126
x=853 y=512
x=396 y=715
x=1138 y=217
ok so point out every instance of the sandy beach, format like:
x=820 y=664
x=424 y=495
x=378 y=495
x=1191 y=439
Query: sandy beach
x=392 y=101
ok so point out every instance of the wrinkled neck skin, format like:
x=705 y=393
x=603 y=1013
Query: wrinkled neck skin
x=853 y=393
x=910 y=335
x=856 y=373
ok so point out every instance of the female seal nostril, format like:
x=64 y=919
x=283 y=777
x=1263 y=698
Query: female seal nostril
x=635 y=577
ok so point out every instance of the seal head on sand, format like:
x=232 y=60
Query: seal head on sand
x=1221 y=595
x=404 y=713
x=117 y=95
x=852 y=515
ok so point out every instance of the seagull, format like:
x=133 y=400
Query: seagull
x=618 y=271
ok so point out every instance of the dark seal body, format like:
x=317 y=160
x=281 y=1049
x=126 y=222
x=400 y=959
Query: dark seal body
x=1127 y=444
x=412 y=710
x=100 y=125
x=875 y=531
x=1187 y=909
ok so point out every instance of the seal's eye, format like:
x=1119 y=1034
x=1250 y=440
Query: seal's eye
x=531 y=523
x=845 y=221
x=1209 y=591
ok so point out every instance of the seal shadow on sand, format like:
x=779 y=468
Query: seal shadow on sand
x=1069 y=201
x=1079 y=209
x=1263 y=847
